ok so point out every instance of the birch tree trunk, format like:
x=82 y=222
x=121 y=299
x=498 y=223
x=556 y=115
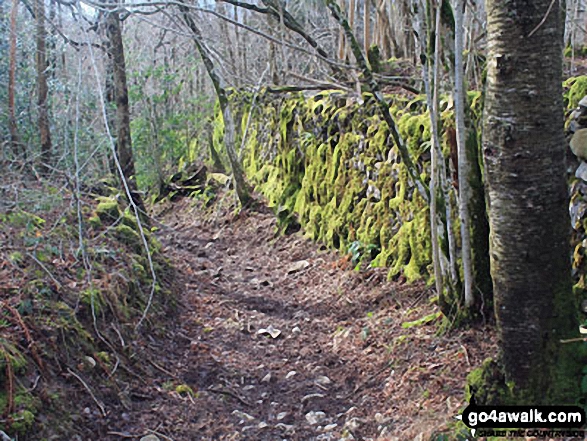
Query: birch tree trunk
x=463 y=163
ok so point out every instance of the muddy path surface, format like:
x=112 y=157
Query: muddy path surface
x=276 y=339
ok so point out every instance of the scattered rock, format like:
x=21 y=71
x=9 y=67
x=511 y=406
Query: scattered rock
x=315 y=418
x=266 y=378
x=380 y=419
x=352 y=424
x=290 y=375
x=281 y=415
x=323 y=380
x=243 y=416
x=298 y=266
x=581 y=171
x=150 y=438
x=579 y=144
x=270 y=330
x=330 y=427
x=263 y=425
x=285 y=427
x=312 y=396
x=296 y=330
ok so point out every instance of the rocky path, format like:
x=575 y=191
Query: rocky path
x=278 y=340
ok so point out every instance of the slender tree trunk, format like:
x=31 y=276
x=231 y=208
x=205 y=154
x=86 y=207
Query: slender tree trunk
x=123 y=138
x=524 y=154
x=42 y=88
x=342 y=52
x=240 y=184
x=14 y=138
x=452 y=249
x=367 y=25
x=463 y=164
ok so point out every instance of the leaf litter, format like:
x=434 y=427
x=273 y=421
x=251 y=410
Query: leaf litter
x=359 y=373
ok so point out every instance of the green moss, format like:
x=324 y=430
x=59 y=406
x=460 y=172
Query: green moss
x=129 y=236
x=21 y=218
x=26 y=406
x=107 y=210
x=316 y=157
x=184 y=389
x=129 y=219
x=92 y=298
x=95 y=221
x=576 y=89
x=487 y=383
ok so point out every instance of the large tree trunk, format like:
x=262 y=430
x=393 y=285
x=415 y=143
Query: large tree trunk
x=42 y=88
x=523 y=150
x=123 y=139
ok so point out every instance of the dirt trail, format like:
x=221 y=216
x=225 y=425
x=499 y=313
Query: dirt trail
x=342 y=366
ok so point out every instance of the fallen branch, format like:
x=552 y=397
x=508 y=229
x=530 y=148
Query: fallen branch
x=31 y=343
x=230 y=394
x=44 y=268
x=85 y=385
x=9 y=386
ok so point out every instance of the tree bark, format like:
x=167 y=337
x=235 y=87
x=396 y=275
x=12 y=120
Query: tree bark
x=367 y=25
x=524 y=155
x=463 y=163
x=123 y=138
x=42 y=88
x=13 y=127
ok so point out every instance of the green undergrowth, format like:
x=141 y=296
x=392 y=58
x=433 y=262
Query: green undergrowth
x=327 y=162
x=68 y=302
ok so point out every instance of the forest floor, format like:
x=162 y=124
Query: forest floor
x=349 y=357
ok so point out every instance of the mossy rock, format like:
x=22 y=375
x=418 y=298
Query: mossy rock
x=130 y=237
x=129 y=219
x=108 y=210
x=576 y=90
x=95 y=221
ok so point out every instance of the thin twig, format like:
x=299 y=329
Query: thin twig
x=9 y=385
x=466 y=355
x=38 y=262
x=230 y=394
x=573 y=340
x=543 y=19
x=80 y=379
x=123 y=435
x=159 y=368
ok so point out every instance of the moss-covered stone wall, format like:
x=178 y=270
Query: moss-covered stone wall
x=327 y=160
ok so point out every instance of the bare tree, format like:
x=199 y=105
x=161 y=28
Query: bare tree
x=14 y=137
x=42 y=88
x=123 y=135
x=240 y=184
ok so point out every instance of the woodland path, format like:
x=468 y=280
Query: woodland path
x=342 y=367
